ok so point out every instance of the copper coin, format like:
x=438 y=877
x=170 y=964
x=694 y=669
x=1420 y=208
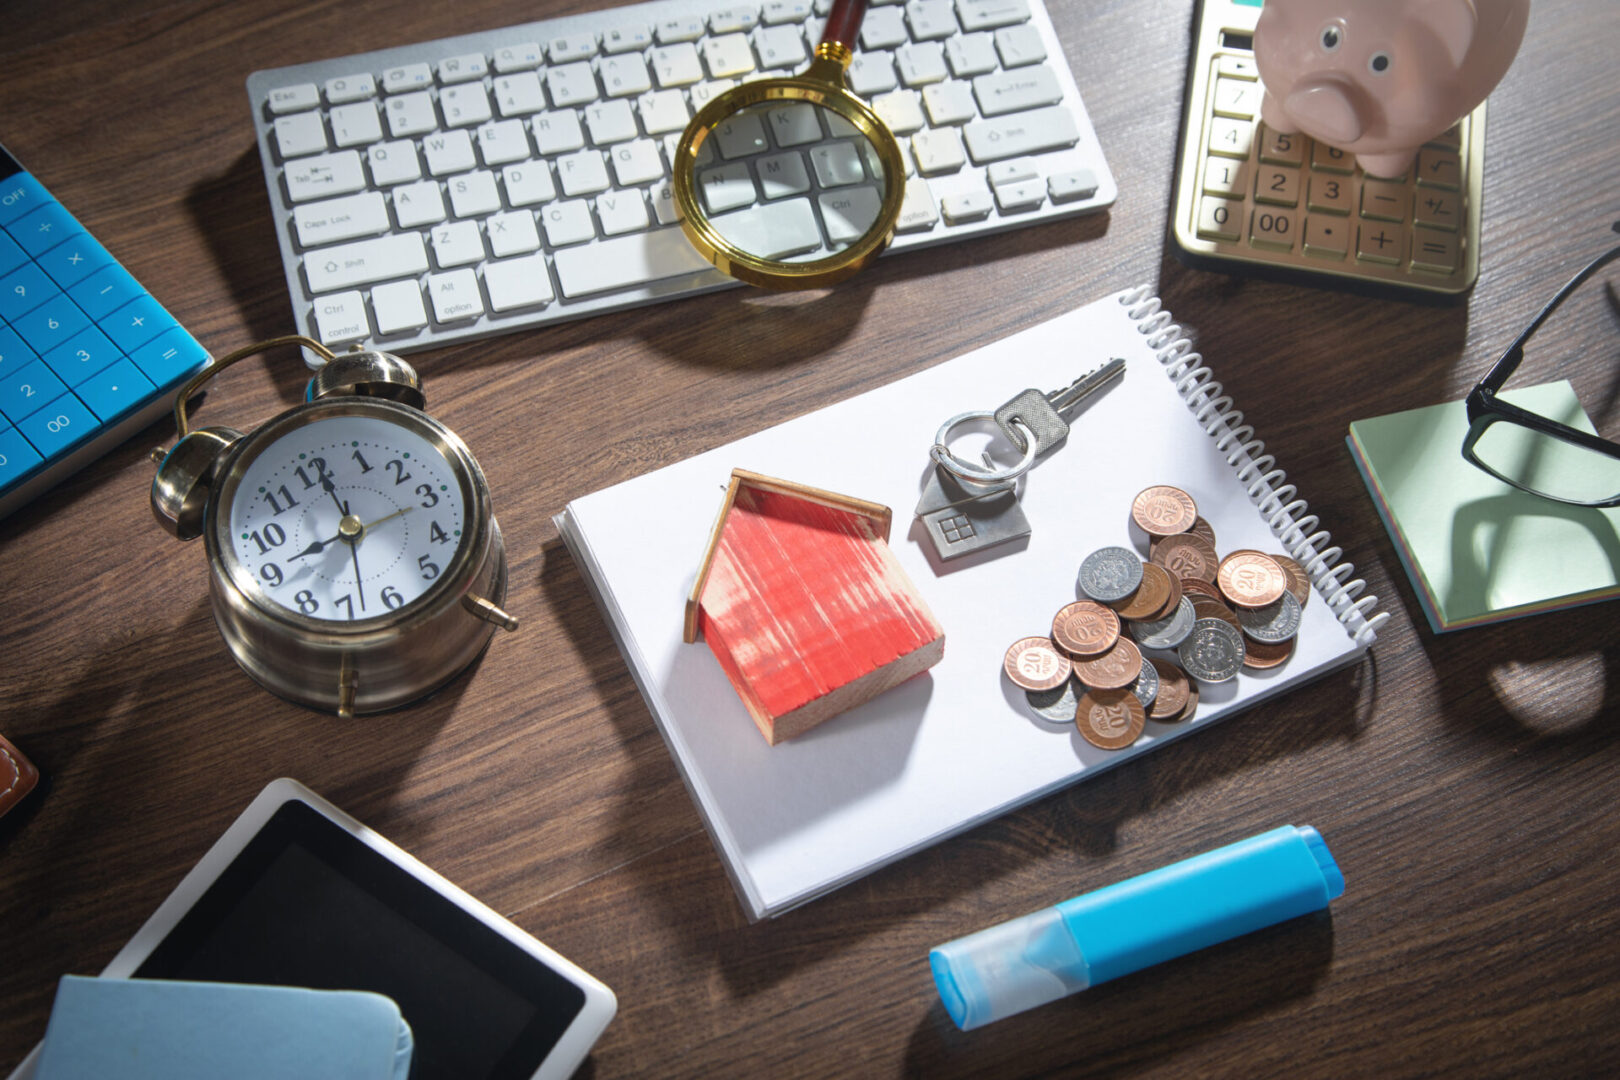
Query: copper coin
x=1035 y=664
x=1085 y=628
x=1206 y=608
x=1250 y=579
x=1113 y=670
x=1191 y=707
x=1205 y=530
x=1298 y=582
x=1164 y=511
x=1174 y=686
x=1150 y=596
x=1196 y=587
x=1110 y=719
x=1171 y=602
x=1187 y=556
x=1260 y=656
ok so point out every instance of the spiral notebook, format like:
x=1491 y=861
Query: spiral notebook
x=954 y=746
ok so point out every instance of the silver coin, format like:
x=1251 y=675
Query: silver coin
x=1213 y=652
x=1057 y=705
x=1166 y=633
x=1110 y=574
x=1146 y=686
x=1273 y=623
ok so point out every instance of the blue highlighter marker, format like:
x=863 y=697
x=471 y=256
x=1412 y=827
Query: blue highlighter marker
x=1134 y=924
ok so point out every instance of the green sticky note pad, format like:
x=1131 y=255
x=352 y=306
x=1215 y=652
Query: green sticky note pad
x=1478 y=550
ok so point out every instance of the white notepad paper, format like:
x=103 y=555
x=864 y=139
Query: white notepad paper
x=957 y=745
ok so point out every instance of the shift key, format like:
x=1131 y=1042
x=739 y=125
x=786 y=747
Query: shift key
x=348 y=265
x=1031 y=132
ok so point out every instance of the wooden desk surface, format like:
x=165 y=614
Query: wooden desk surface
x=1468 y=784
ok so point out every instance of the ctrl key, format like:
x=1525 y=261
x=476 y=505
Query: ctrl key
x=16 y=456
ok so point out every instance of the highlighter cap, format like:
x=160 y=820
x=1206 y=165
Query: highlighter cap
x=1008 y=968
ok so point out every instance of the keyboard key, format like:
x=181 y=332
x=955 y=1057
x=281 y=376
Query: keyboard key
x=682 y=28
x=103 y=292
x=398 y=306
x=625 y=76
x=512 y=233
x=872 y=73
x=663 y=111
x=620 y=212
x=503 y=141
x=341 y=318
x=1021 y=195
x=23 y=290
x=346 y=265
x=635 y=163
x=566 y=50
x=528 y=184
x=609 y=122
x=136 y=323
x=44 y=228
x=937 y=151
x=971 y=54
x=455 y=296
x=966 y=206
x=568 y=222
x=1014 y=91
x=779 y=47
x=473 y=194
x=884 y=28
x=299 y=135
x=170 y=357
x=28 y=391
x=50 y=324
x=519 y=94
x=727 y=56
x=465 y=105
x=115 y=391
x=621 y=39
x=355 y=125
x=59 y=425
x=781 y=12
x=901 y=110
x=917 y=214
x=514 y=58
x=406 y=78
x=291 y=99
x=949 y=103
x=448 y=152
x=82 y=355
x=411 y=114
x=324 y=175
x=393 y=163
x=734 y=20
x=463 y=68
x=676 y=65
x=418 y=204
x=457 y=244
x=1020 y=45
x=571 y=84
x=347 y=88
x=921 y=64
x=343 y=218
x=74 y=260
x=930 y=20
x=990 y=14
x=557 y=132
x=1020 y=133
x=1065 y=187
x=14 y=355
x=16 y=456
x=19 y=195
x=627 y=260
x=583 y=173
x=782 y=175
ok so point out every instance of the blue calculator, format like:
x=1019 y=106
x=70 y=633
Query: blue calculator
x=87 y=356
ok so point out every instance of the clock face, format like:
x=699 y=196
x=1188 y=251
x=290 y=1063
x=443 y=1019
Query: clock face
x=346 y=517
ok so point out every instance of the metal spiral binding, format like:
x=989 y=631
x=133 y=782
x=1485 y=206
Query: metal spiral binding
x=1278 y=501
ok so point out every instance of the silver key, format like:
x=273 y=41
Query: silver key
x=1042 y=414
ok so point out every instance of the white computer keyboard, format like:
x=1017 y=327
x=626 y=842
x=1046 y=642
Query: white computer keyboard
x=497 y=181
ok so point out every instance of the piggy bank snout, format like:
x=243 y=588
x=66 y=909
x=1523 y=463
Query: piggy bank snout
x=1324 y=108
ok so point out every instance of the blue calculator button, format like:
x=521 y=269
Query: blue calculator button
x=81 y=356
x=116 y=391
x=44 y=228
x=19 y=194
x=28 y=391
x=11 y=256
x=50 y=324
x=13 y=353
x=136 y=323
x=172 y=357
x=59 y=425
x=23 y=290
x=105 y=291
x=16 y=456
x=71 y=262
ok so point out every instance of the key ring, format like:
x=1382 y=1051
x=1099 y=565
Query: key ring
x=941 y=452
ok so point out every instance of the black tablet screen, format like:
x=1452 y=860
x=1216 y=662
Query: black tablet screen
x=306 y=904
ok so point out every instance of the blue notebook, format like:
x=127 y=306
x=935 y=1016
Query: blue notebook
x=152 y=1029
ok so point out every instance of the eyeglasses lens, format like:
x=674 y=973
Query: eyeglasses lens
x=1547 y=464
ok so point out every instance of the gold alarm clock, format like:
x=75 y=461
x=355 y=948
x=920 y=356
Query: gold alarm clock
x=354 y=561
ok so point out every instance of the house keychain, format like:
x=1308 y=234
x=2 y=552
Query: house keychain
x=966 y=508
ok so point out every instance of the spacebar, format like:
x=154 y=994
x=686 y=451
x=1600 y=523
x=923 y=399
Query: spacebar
x=626 y=260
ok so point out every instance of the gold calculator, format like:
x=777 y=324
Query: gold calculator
x=1249 y=200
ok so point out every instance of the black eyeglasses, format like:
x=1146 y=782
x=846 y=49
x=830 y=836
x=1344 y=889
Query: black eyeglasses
x=1532 y=452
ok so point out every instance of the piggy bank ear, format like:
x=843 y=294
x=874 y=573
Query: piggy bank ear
x=1451 y=21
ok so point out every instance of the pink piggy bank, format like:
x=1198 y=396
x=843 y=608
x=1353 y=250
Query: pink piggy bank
x=1379 y=78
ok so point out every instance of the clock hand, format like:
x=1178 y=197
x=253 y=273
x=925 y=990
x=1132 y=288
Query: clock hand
x=389 y=517
x=331 y=489
x=316 y=546
x=354 y=553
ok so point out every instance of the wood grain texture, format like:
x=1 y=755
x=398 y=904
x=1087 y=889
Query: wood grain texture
x=1466 y=783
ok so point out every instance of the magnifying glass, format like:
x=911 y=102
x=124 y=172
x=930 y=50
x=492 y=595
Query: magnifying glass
x=792 y=182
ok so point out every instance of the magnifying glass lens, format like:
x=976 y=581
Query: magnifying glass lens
x=790 y=181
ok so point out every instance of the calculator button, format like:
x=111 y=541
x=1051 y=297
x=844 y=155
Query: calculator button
x=1220 y=219
x=44 y=228
x=1434 y=251
x=137 y=322
x=1438 y=210
x=82 y=355
x=16 y=456
x=11 y=256
x=1278 y=148
x=1380 y=243
x=1451 y=138
x=50 y=324
x=1327 y=237
x=19 y=195
x=1331 y=159
x=59 y=425
x=1439 y=168
x=1384 y=201
x=1223 y=176
x=1279 y=187
x=1274 y=229
x=14 y=354
x=105 y=291
x=23 y=290
x=27 y=391
x=1230 y=138
x=172 y=355
x=1237 y=67
x=118 y=390
x=1329 y=194
x=1236 y=98
x=74 y=260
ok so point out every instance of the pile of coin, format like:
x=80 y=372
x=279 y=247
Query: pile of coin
x=1218 y=615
